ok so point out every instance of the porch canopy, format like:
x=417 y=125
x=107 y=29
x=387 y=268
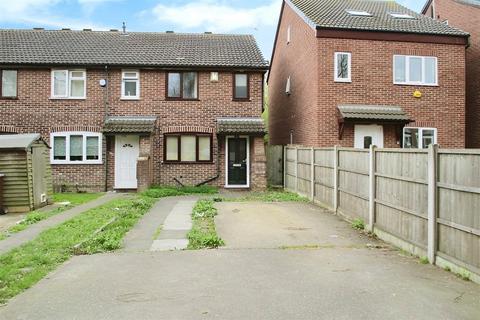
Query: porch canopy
x=130 y=124
x=373 y=114
x=236 y=126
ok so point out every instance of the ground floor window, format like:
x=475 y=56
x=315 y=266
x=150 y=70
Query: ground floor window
x=76 y=148
x=188 y=147
x=419 y=138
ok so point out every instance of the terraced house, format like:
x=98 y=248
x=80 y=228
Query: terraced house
x=123 y=110
x=362 y=72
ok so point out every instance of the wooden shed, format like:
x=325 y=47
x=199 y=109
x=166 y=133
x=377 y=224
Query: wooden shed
x=25 y=163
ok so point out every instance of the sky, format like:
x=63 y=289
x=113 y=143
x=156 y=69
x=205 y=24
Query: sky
x=258 y=18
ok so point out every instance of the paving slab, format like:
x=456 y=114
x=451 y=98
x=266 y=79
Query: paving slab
x=169 y=244
x=34 y=230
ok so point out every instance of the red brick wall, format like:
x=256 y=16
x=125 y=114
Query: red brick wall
x=312 y=108
x=467 y=18
x=34 y=111
x=297 y=61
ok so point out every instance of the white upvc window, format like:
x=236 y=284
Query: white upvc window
x=289 y=34
x=415 y=70
x=69 y=84
x=343 y=67
x=419 y=138
x=131 y=84
x=76 y=148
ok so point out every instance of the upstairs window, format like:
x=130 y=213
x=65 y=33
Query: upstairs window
x=69 y=84
x=401 y=16
x=188 y=148
x=76 y=148
x=130 y=84
x=182 y=85
x=343 y=64
x=289 y=34
x=419 y=138
x=240 y=86
x=359 y=13
x=9 y=84
x=415 y=70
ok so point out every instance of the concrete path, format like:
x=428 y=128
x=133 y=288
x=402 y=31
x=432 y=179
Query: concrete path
x=34 y=230
x=164 y=227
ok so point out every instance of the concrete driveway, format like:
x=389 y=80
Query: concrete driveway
x=324 y=271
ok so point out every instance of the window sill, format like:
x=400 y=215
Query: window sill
x=241 y=100
x=415 y=84
x=76 y=162
x=342 y=81
x=67 y=98
x=8 y=98
x=185 y=162
x=129 y=99
x=181 y=99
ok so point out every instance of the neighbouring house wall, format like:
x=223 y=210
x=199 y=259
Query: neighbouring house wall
x=441 y=107
x=467 y=18
x=296 y=60
x=34 y=111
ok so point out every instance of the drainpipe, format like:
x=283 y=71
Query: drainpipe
x=105 y=105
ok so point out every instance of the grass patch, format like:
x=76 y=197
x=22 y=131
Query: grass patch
x=160 y=192
x=358 y=224
x=33 y=217
x=464 y=275
x=270 y=196
x=203 y=233
x=23 y=266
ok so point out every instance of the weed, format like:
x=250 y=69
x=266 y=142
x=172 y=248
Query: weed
x=160 y=192
x=424 y=260
x=358 y=224
x=447 y=268
x=203 y=233
x=464 y=275
x=271 y=196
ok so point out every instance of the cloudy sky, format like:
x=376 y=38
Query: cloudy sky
x=257 y=17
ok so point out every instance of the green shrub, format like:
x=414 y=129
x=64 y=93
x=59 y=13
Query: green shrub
x=358 y=224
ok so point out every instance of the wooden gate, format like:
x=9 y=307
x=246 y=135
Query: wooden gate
x=275 y=165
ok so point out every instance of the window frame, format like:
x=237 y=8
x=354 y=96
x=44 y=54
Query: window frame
x=67 y=135
x=136 y=80
x=407 y=71
x=1 y=85
x=234 y=86
x=289 y=34
x=420 y=136
x=178 y=135
x=68 y=95
x=335 y=68
x=181 y=98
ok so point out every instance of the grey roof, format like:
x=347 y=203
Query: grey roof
x=155 y=49
x=140 y=124
x=18 y=141
x=368 y=112
x=240 y=125
x=333 y=14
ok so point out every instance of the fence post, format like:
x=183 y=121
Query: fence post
x=432 y=203
x=285 y=149
x=372 y=189
x=335 y=179
x=296 y=169
x=312 y=174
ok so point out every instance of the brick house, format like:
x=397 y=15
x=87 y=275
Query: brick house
x=464 y=14
x=123 y=110
x=355 y=73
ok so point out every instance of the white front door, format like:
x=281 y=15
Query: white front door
x=127 y=149
x=366 y=135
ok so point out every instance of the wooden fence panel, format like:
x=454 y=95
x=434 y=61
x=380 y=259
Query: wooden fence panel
x=353 y=183
x=459 y=206
x=275 y=165
x=324 y=176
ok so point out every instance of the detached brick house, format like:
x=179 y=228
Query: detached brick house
x=123 y=110
x=464 y=14
x=355 y=73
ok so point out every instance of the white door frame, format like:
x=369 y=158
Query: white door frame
x=248 y=163
x=379 y=135
x=118 y=185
